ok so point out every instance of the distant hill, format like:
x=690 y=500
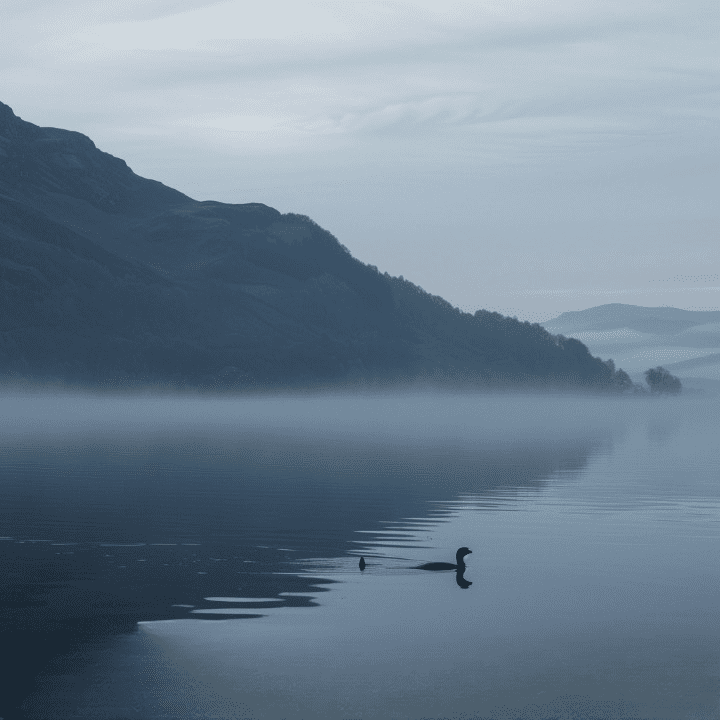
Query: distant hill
x=655 y=320
x=697 y=364
x=110 y=278
x=685 y=342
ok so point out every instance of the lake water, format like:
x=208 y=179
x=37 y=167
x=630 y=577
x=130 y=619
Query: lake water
x=198 y=558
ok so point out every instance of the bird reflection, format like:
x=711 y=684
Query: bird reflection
x=458 y=567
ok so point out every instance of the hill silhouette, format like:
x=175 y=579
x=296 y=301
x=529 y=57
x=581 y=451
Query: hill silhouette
x=111 y=278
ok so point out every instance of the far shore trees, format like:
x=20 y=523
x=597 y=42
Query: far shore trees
x=662 y=382
x=619 y=381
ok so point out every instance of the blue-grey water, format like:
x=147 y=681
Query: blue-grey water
x=198 y=558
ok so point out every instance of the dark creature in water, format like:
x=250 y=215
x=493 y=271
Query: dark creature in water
x=459 y=567
x=460 y=563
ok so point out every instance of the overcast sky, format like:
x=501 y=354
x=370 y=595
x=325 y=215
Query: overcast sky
x=528 y=156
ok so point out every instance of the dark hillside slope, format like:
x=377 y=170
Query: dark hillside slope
x=35 y=161
x=491 y=345
x=107 y=277
x=61 y=293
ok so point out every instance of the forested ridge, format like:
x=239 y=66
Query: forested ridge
x=110 y=278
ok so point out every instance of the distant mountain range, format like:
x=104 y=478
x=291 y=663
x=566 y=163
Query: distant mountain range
x=108 y=278
x=685 y=342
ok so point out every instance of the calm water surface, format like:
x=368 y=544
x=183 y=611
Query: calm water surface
x=188 y=558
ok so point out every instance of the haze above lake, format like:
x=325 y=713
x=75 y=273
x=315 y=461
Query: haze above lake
x=193 y=557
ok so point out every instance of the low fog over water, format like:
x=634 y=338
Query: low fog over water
x=418 y=416
x=194 y=557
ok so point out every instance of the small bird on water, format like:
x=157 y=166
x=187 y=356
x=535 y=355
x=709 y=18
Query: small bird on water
x=362 y=563
x=460 y=566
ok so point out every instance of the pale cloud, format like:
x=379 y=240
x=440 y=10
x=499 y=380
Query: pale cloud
x=100 y=10
x=599 y=292
x=200 y=27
